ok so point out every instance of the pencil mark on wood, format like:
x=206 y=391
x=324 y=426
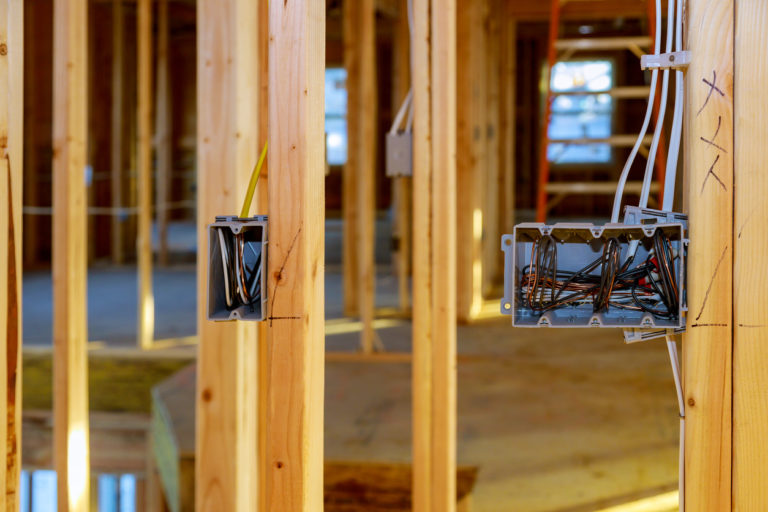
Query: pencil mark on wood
x=283 y=318
x=279 y=274
x=711 y=172
x=719 y=147
x=752 y=326
x=744 y=224
x=709 y=325
x=712 y=88
x=711 y=281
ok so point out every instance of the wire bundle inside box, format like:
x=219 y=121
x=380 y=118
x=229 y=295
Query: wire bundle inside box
x=236 y=273
x=570 y=275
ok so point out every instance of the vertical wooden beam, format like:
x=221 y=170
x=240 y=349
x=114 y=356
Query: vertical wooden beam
x=434 y=313
x=422 y=260
x=709 y=172
x=444 y=83
x=750 y=323
x=360 y=59
x=118 y=120
x=262 y=205
x=11 y=143
x=490 y=231
x=70 y=336
x=402 y=187
x=146 y=301
x=296 y=245
x=351 y=169
x=226 y=466
x=471 y=156
x=163 y=133
x=507 y=119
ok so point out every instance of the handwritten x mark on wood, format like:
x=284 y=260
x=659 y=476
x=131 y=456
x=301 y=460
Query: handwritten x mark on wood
x=711 y=172
x=711 y=141
x=712 y=88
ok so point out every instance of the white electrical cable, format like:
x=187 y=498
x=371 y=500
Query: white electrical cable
x=673 y=360
x=677 y=120
x=659 y=128
x=646 y=122
x=401 y=113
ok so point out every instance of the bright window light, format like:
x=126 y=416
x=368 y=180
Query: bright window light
x=581 y=114
x=336 y=115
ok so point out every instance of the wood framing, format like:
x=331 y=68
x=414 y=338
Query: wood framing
x=118 y=134
x=471 y=158
x=507 y=119
x=296 y=252
x=70 y=332
x=402 y=187
x=163 y=145
x=360 y=59
x=228 y=146
x=351 y=169
x=434 y=264
x=11 y=139
x=750 y=325
x=146 y=303
x=709 y=191
x=491 y=235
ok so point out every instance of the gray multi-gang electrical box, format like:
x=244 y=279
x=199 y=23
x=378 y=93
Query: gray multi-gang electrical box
x=400 y=154
x=237 y=269
x=578 y=244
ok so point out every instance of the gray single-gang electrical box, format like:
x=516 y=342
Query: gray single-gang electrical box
x=579 y=244
x=400 y=154
x=237 y=269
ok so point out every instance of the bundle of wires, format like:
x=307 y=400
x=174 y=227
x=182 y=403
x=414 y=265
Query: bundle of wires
x=241 y=264
x=650 y=286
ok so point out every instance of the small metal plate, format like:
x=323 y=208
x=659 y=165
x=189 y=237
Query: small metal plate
x=399 y=154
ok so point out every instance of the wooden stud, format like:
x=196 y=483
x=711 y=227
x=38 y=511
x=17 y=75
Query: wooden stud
x=70 y=332
x=491 y=235
x=471 y=156
x=434 y=263
x=11 y=129
x=750 y=325
x=707 y=344
x=402 y=187
x=118 y=120
x=163 y=132
x=422 y=261
x=146 y=302
x=444 y=85
x=296 y=244
x=507 y=120
x=226 y=466
x=262 y=205
x=351 y=169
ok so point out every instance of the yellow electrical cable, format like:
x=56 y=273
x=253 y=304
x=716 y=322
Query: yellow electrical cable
x=252 y=184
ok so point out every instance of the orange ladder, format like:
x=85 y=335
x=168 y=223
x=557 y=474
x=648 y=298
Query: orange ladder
x=550 y=194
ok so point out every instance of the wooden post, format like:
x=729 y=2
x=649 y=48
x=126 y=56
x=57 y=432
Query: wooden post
x=491 y=235
x=226 y=466
x=296 y=244
x=70 y=336
x=422 y=261
x=262 y=205
x=471 y=156
x=434 y=313
x=163 y=133
x=351 y=169
x=750 y=324
x=11 y=130
x=118 y=120
x=507 y=119
x=709 y=178
x=402 y=187
x=146 y=302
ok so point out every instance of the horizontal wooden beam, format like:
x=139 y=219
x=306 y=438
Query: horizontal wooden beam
x=525 y=10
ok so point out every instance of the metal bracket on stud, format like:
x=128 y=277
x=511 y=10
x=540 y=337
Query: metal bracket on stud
x=673 y=60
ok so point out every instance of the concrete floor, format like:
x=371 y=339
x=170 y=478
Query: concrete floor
x=556 y=420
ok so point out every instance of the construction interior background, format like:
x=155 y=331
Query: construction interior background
x=384 y=377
